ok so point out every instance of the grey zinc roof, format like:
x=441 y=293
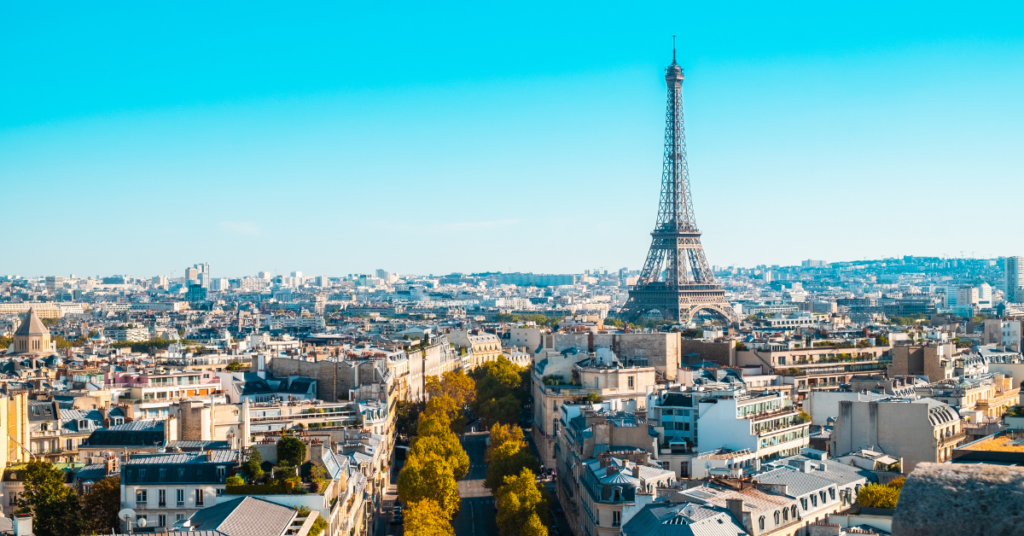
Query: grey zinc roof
x=799 y=483
x=245 y=516
x=682 y=519
x=840 y=474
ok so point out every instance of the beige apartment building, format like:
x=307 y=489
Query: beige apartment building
x=481 y=347
x=559 y=379
x=979 y=399
x=913 y=430
x=817 y=368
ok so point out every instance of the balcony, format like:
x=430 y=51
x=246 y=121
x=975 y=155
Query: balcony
x=945 y=441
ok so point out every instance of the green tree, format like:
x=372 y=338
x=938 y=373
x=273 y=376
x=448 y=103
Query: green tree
x=5 y=342
x=55 y=507
x=291 y=451
x=426 y=518
x=519 y=499
x=500 y=410
x=406 y=417
x=429 y=477
x=509 y=459
x=101 y=504
x=252 y=466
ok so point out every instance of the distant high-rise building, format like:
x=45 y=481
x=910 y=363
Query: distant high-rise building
x=220 y=284
x=1014 y=292
x=265 y=275
x=811 y=263
x=53 y=283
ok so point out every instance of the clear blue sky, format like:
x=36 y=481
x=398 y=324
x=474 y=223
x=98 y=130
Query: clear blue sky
x=335 y=138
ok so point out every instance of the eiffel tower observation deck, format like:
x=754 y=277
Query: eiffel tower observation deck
x=676 y=282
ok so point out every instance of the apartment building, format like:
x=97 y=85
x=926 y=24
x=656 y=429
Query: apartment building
x=979 y=399
x=569 y=376
x=168 y=488
x=481 y=347
x=936 y=361
x=912 y=429
x=815 y=368
x=1005 y=333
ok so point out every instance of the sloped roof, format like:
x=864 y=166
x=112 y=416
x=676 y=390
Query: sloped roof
x=32 y=326
x=683 y=519
x=245 y=516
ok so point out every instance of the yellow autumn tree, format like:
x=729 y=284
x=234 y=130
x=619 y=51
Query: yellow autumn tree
x=426 y=518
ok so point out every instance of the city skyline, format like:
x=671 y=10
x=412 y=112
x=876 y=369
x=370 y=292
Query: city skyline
x=147 y=149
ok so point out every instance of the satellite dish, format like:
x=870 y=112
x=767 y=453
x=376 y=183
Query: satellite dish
x=126 y=514
x=141 y=522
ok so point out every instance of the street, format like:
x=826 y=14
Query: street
x=476 y=516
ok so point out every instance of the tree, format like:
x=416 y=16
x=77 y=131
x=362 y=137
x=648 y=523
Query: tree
x=101 y=504
x=252 y=466
x=406 y=417
x=446 y=446
x=426 y=518
x=56 y=507
x=503 y=410
x=455 y=384
x=878 y=496
x=429 y=477
x=501 y=434
x=234 y=366
x=519 y=499
x=291 y=451
x=509 y=459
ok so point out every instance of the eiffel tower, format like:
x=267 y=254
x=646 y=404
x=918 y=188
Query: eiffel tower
x=676 y=281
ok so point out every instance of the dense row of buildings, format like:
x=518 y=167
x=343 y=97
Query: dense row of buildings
x=838 y=375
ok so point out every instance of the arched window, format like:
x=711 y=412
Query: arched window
x=616 y=494
x=760 y=523
x=792 y=510
x=785 y=514
x=777 y=517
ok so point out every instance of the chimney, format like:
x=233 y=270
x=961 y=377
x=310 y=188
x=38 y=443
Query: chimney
x=824 y=529
x=612 y=469
x=22 y=524
x=735 y=507
x=209 y=455
x=636 y=471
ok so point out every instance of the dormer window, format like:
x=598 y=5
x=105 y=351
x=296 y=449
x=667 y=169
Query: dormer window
x=83 y=425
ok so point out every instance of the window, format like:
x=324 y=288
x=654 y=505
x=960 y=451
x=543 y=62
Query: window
x=666 y=412
x=161 y=497
x=163 y=473
x=616 y=519
x=142 y=474
x=777 y=516
x=597 y=518
x=760 y=523
x=181 y=472
x=785 y=514
x=180 y=496
x=179 y=517
x=814 y=500
x=161 y=521
x=199 y=497
x=140 y=496
x=803 y=503
x=12 y=499
x=822 y=495
x=631 y=382
x=832 y=493
x=220 y=491
x=222 y=472
x=69 y=444
x=792 y=510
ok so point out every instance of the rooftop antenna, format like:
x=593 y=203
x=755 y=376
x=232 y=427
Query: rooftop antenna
x=673 y=49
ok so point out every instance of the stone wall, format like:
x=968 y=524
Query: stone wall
x=965 y=500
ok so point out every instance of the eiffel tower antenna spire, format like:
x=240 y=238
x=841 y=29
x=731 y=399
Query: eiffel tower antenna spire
x=676 y=281
x=673 y=50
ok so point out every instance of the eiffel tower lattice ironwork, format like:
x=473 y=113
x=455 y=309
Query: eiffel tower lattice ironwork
x=676 y=281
